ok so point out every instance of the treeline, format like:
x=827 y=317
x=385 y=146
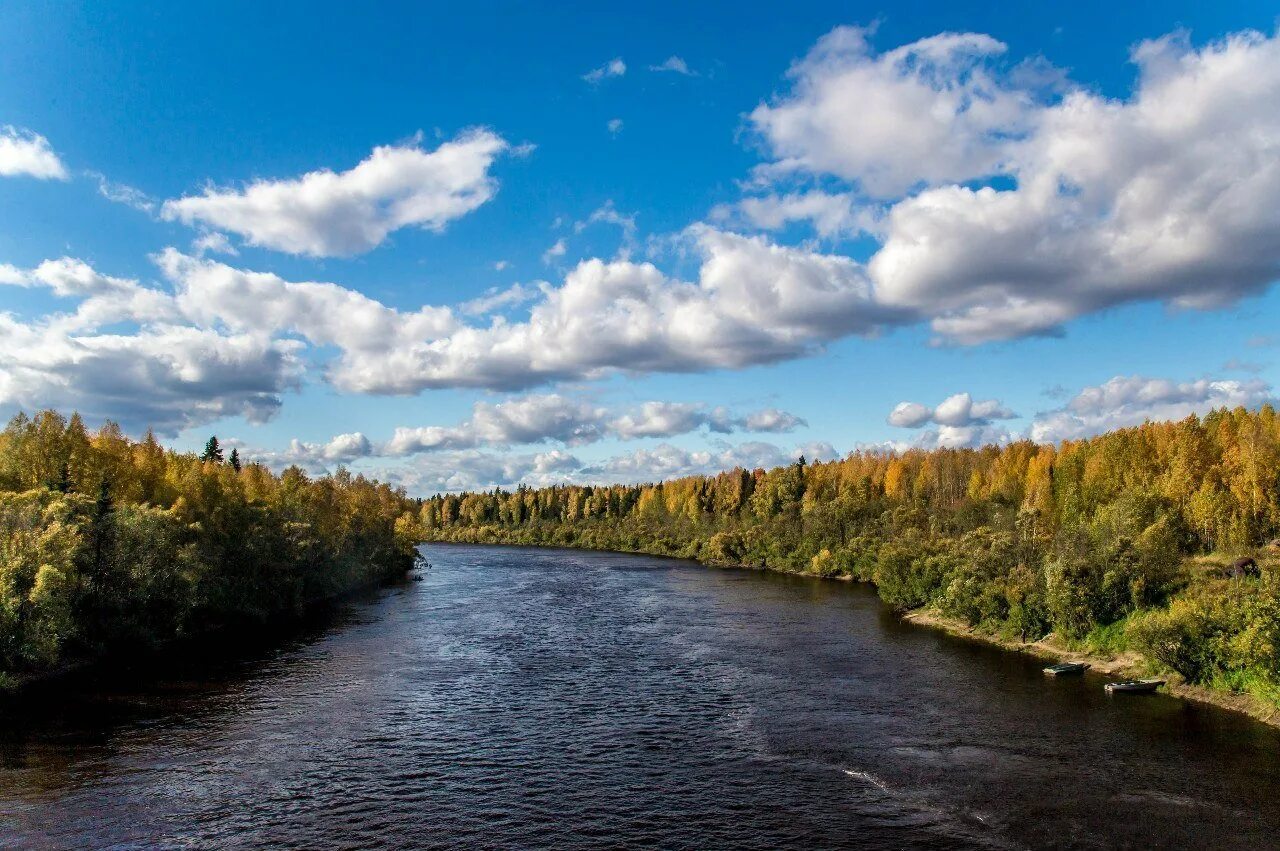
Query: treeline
x=108 y=544
x=1094 y=540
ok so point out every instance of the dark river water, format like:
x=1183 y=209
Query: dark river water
x=522 y=698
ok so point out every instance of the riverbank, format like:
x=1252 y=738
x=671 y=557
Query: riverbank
x=232 y=636
x=1126 y=665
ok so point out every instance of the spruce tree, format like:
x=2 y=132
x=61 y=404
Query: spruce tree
x=212 y=451
x=234 y=460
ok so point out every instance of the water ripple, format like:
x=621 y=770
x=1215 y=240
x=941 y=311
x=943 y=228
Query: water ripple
x=554 y=699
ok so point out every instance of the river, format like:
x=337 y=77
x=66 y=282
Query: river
x=525 y=698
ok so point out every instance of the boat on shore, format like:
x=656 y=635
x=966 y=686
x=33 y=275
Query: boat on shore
x=1066 y=669
x=1134 y=686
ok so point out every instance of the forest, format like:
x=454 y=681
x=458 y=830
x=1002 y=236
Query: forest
x=1111 y=543
x=109 y=545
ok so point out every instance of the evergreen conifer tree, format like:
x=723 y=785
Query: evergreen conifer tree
x=212 y=451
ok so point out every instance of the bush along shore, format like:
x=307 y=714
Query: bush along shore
x=110 y=546
x=1116 y=547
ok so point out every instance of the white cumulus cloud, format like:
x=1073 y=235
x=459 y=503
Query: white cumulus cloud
x=166 y=377
x=542 y=418
x=1132 y=400
x=24 y=153
x=831 y=214
x=928 y=111
x=957 y=410
x=753 y=302
x=337 y=214
x=369 y=335
x=495 y=299
x=476 y=469
x=1005 y=207
x=959 y=419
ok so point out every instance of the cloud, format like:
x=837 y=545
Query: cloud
x=531 y=419
x=213 y=241
x=910 y=415
x=104 y=300
x=1237 y=365
x=155 y=371
x=121 y=193
x=773 y=420
x=534 y=419
x=574 y=422
x=338 y=214
x=675 y=65
x=671 y=462
x=753 y=303
x=668 y=419
x=659 y=419
x=615 y=126
x=957 y=410
x=971 y=437
x=166 y=378
x=1132 y=400
x=495 y=299
x=1007 y=204
x=930 y=111
x=961 y=410
x=500 y=265
x=474 y=470
x=607 y=213
x=557 y=250
x=341 y=449
x=613 y=68
x=1122 y=402
x=369 y=335
x=831 y=214
x=961 y=421
x=24 y=153
x=457 y=460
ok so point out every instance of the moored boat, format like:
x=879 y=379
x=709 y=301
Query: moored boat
x=1134 y=686
x=1066 y=669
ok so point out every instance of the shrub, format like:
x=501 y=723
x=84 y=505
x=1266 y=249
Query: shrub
x=1216 y=631
x=908 y=575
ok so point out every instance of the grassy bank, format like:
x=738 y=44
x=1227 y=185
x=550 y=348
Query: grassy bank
x=1262 y=704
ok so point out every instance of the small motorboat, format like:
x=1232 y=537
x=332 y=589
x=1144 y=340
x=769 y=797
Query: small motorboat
x=1067 y=669
x=1134 y=686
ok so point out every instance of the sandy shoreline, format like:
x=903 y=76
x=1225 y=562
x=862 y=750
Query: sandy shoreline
x=1127 y=665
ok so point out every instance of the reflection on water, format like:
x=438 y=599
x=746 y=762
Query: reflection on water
x=549 y=698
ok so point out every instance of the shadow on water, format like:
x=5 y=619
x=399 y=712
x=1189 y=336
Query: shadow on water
x=541 y=698
x=173 y=685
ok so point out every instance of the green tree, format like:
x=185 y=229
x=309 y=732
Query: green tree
x=172 y=544
x=212 y=451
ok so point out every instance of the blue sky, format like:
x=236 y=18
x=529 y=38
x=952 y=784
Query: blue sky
x=1065 y=211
